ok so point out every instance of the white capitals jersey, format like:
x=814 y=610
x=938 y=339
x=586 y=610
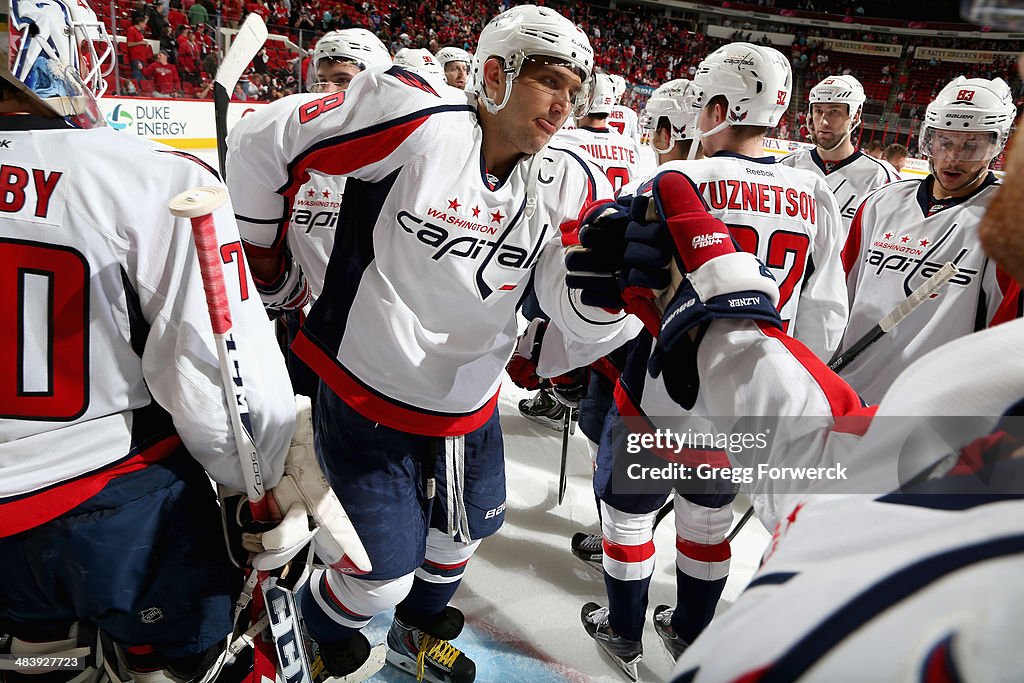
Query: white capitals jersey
x=616 y=154
x=109 y=360
x=875 y=586
x=787 y=218
x=900 y=238
x=851 y=180
x=311 y=228
x=624 y=121
x=417 y=318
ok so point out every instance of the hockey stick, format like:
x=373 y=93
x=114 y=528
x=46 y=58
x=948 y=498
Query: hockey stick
x=248 y=41
x=896 y=316
x=567 y=429
x=198 y=206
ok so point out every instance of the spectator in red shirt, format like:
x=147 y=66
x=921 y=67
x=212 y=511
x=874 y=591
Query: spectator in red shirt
x=135 y=41
x=166 y=82
x=188 y=53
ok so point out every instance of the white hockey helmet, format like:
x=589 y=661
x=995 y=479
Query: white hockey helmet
x=970 y=105
x=756 y=80
x=672 y=101
x=354 y=45
x=58 y=52
x=619 y=85
x=527 y=31
x=453 y=54
x=419 y=59
x=604 y=95
x=839 y=90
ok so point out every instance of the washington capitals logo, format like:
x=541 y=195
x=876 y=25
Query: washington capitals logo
x=412 y=79
x=737 y=117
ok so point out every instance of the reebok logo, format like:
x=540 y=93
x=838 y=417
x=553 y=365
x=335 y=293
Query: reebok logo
x=701 y=241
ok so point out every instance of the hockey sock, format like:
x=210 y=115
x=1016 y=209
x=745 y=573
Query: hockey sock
x=627 y=605
x=696 y=600
x=425 y=601
x=335 y=606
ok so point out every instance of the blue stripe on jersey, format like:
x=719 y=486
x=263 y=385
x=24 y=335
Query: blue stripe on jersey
x=884 y=594
x=773 y=579
x=351 y=255
x=592 y=190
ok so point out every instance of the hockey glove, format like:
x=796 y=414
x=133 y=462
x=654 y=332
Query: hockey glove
x=706 y=278
x=288 y=292
x=569 y=389
x=593 y=256
x=522 y=367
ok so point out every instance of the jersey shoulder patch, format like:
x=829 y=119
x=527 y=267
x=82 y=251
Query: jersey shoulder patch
x=412 y=79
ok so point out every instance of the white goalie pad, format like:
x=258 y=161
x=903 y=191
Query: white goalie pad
x=304 y=489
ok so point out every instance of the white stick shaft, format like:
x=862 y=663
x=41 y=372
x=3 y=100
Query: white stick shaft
x=919 y=296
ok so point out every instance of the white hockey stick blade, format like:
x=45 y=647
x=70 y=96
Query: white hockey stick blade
x=248 y=41
x=919 y=296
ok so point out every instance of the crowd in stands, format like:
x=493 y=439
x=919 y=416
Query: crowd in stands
x=640 y=43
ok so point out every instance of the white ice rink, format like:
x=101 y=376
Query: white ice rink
x=523 y=589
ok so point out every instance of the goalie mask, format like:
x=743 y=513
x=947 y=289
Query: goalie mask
x=58 y=53
x=528 y=32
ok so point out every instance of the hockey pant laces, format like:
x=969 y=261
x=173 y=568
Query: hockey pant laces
x=455 y=474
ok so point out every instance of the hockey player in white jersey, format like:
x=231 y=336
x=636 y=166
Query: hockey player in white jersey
x=618 y=158
x=616 y=154
x=453 y=205
x=112 y=403
x=339 y=56
x=907 y=230
x=457 y=64
x=787 y=217
x=621 y=118
x=926 y=583
x=835 y=109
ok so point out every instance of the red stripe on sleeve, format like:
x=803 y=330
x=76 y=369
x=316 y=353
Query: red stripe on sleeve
x=1012 y=304
x=842 y=399
x=344 y=157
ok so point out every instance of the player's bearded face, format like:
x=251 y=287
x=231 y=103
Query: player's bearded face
x=829 y=122
x=456 y=73
x=539 y=104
